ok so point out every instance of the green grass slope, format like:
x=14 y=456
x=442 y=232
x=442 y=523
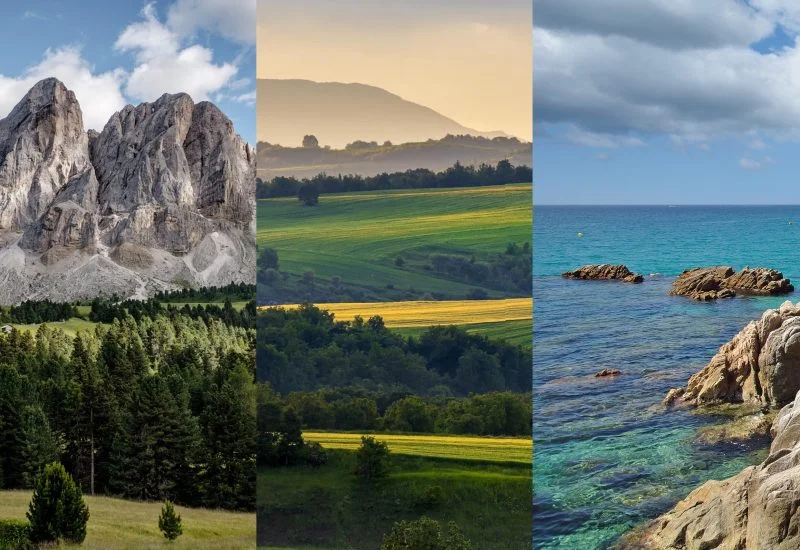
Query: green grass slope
x=116 y=524
x=357 y=236
x=326 y=508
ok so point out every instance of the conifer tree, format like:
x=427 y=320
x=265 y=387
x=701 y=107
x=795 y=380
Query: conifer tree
x=169 y=522
x=38 y=444
x=57 y=510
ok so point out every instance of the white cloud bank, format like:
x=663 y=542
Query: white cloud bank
x=612 y=69
x=163 y=61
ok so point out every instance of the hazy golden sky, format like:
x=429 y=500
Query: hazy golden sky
x=469 y=60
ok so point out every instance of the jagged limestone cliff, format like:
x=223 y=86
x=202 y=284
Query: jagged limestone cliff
x=162 y=197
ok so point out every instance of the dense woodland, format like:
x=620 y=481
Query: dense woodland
x=457 y=175
x=160 y=407
x=306 y=349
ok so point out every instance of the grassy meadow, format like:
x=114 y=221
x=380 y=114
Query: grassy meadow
x=116 y=524
x=357 y=237
x=486 y=490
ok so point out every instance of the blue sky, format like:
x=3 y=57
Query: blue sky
x=114 y=53
x=666 y=102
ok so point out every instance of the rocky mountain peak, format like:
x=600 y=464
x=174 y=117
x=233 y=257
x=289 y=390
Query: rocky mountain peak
x=162 y=196
x=42 y=147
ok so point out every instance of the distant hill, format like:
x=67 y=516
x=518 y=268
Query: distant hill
x=338 y=113
x=368 y=159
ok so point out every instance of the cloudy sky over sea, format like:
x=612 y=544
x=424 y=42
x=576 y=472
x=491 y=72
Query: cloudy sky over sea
x=667 y=101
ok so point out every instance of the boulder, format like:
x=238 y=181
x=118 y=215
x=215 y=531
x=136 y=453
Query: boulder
x=608 y=372
x=604 y=272
x=760 y=365
x=712 y=283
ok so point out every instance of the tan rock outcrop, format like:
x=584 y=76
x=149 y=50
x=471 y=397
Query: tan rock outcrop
x=761 y=364
x=711 y=283
x=604 y=272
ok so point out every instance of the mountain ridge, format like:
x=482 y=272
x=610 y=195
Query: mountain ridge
x=338 y=113
x=162 y=197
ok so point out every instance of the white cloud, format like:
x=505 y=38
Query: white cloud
x=164 y=67
x=98 y=93
x=233 y=19
x=617 y=85
x=162 y=64
x=676 y=68
x=747 y=163
x=249 y=98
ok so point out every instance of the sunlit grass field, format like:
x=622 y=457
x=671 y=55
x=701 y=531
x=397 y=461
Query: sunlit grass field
x=116 y=524
x=490 y=449
x=429 y=313
x=507 y=319
x=357 y=236
x=71 y=326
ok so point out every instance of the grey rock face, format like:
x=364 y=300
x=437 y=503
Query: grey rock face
x=133 y=201
x=42 y=148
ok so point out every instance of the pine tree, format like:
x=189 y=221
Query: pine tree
x=170 y=521
x=38 y=445
x=229 y=432
x=57 y=510
x=158 y=444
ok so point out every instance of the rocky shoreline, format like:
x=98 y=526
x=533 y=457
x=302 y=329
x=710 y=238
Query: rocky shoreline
x=753 y=510
x=759 y=370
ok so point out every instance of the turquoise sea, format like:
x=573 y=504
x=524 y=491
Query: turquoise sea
x=606 y=456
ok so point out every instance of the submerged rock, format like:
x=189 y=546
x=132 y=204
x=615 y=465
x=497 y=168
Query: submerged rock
x=753 y=510
x=711 y=283
x=760 y=365
x=604 y=272
x=608 y=372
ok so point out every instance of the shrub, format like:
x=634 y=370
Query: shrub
x=313 y=454
x=15 y=534
x=372 y=459
x=424 y=534
x=57 y=510
x=170 y=521
x=430 y=498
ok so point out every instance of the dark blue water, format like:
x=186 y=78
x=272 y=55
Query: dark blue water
x=606 y=456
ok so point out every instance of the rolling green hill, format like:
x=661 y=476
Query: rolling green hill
x=351 y=243
x=325 y=507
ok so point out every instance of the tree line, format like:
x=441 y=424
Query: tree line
x=233 y=291
x=38 y=311
x=104 y=310
x=457 y=175
x=487 y=414
x=306 y=349
x=157 y=408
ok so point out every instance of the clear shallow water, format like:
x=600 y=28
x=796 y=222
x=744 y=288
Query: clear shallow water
x=606 y=457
